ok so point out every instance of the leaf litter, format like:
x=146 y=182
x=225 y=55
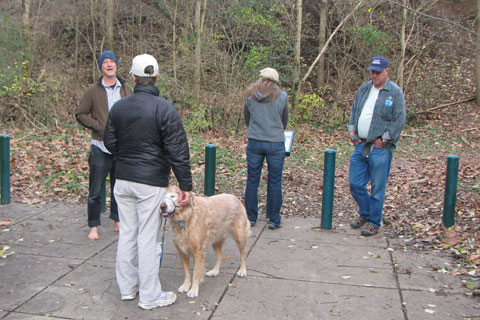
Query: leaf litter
x=52 y=165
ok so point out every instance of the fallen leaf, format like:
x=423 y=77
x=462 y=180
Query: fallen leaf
x=474 y=257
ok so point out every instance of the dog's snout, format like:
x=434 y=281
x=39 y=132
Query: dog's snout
x=163 y=206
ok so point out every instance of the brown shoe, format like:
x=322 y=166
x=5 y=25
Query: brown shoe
x=370 y=230
x=357 y=222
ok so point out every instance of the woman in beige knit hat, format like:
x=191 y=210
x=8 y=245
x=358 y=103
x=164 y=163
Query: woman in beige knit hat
x=266 y=116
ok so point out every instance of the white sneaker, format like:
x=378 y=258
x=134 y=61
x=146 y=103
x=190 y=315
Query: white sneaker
x=128 y=297
x=165 y=299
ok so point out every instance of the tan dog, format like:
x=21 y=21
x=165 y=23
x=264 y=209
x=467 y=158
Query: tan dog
x=206 y=220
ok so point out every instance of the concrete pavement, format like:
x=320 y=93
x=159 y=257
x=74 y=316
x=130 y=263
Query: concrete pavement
x=299 y=271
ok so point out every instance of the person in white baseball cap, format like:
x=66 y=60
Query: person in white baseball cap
x=146 y=136
x=140 y=64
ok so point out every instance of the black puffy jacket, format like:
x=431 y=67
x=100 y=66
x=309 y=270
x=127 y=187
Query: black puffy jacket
x=146 y=136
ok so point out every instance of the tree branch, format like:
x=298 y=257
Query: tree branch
x=441 y=106
x=432 y=17
x=328 y=42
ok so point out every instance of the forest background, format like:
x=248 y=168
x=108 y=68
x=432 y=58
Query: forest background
x=210 y=50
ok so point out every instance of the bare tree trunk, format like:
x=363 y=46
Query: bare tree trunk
x=204 y=12
x=174 y=42
x=34 y=21
x=94 y=42
x=322 y=36
x=109 y=24
x=477 y=54
x=26 y=18
x=76 y=42
x=348 y=16
x=202 y=25
x=139 y=26
x=198 y=52
x=298 y=46
x=403 y=46
x=26 y=27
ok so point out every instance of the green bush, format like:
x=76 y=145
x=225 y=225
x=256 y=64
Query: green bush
x=11 y=47
x=266 y=24
x=22 y=97
x=308 y=109
x=197 y=120
x=374 y=41
x=312 y=109
x=17 y=82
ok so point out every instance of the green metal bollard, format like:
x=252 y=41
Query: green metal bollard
x=450 y=191
x=328 y=183
x=5 y=168
x=210 y=165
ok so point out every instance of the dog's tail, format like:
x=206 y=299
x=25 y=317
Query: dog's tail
x=246 y=221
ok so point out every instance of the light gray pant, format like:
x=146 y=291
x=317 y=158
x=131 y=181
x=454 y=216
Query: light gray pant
x=139 y=212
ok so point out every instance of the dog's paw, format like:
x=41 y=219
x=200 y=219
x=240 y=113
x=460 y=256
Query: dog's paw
x=184 y=288
x=242 y=273
x=212 y=273
x=193 y=293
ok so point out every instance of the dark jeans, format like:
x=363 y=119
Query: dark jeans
x=257 y=151
x=101 y=164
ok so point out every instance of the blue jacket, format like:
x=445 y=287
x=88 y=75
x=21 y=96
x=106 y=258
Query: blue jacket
x=387 y=121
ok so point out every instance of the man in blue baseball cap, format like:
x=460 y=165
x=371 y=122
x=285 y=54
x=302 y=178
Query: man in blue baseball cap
x=92 y=113
x=376 y=121
x=378 y=64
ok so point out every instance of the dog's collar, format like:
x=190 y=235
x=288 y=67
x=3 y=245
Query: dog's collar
x=181 y=223
x=166 y=214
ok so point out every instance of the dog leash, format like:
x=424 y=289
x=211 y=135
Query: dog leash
x=164 y=214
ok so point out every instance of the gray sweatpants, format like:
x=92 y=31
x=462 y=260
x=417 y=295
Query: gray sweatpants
x=138 y=253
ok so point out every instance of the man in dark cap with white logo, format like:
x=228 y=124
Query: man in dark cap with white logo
x=377 y=119
x=92 y=113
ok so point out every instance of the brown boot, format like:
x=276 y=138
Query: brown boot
x=370 y=230
x=358 y=222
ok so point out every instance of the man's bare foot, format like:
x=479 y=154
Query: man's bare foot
x=93 y=235
x=116 y=226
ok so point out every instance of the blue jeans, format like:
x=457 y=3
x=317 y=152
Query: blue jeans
x=257 y=151
x=376 y=169
x=101 y=164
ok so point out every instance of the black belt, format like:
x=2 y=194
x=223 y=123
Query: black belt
x=363 y=140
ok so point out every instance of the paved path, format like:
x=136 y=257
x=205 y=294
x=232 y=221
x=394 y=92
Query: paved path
x=297 y=272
